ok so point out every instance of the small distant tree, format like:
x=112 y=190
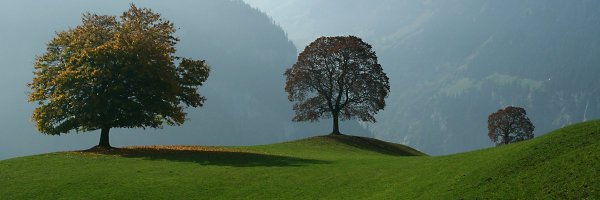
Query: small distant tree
x=337 y=77
x=509 y=125
x=109 y=73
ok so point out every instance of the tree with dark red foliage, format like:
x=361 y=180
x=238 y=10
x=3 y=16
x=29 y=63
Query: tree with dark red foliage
x=509 y=125
x=337 y=77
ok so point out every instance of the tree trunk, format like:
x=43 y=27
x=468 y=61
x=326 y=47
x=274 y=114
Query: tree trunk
x=336 y=125
x=104 y=142
x=505 y=137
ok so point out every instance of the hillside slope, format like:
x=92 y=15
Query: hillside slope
x=564 y=164
x=340 y=144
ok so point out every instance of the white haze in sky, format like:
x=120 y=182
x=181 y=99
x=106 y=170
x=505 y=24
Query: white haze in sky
x=299 y=19
x=306 y=20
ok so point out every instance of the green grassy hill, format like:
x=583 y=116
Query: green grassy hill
x=564 y=164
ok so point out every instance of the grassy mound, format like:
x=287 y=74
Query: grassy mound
x=564 y=164
x=348 y=143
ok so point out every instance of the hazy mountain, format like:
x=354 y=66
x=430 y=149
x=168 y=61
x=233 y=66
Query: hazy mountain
x=247 y=53
x=452 y=63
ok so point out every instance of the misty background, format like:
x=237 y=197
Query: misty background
x=450 y=63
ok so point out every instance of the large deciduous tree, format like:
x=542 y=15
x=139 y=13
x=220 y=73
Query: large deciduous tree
x=337 y=77
x=509 y=125
x=114 y=72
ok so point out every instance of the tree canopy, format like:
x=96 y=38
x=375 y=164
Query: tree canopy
x=509 y=125
x=114 y=72
x=337 y=77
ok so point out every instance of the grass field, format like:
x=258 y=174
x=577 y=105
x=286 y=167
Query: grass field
x=564 y=164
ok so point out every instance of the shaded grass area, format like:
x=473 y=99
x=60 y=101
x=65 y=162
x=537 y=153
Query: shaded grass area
x=217 y=156
x=564 y=164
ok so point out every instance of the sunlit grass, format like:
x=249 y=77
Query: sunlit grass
x=564 y=164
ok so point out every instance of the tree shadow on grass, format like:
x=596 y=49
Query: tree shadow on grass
x=207 y=156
